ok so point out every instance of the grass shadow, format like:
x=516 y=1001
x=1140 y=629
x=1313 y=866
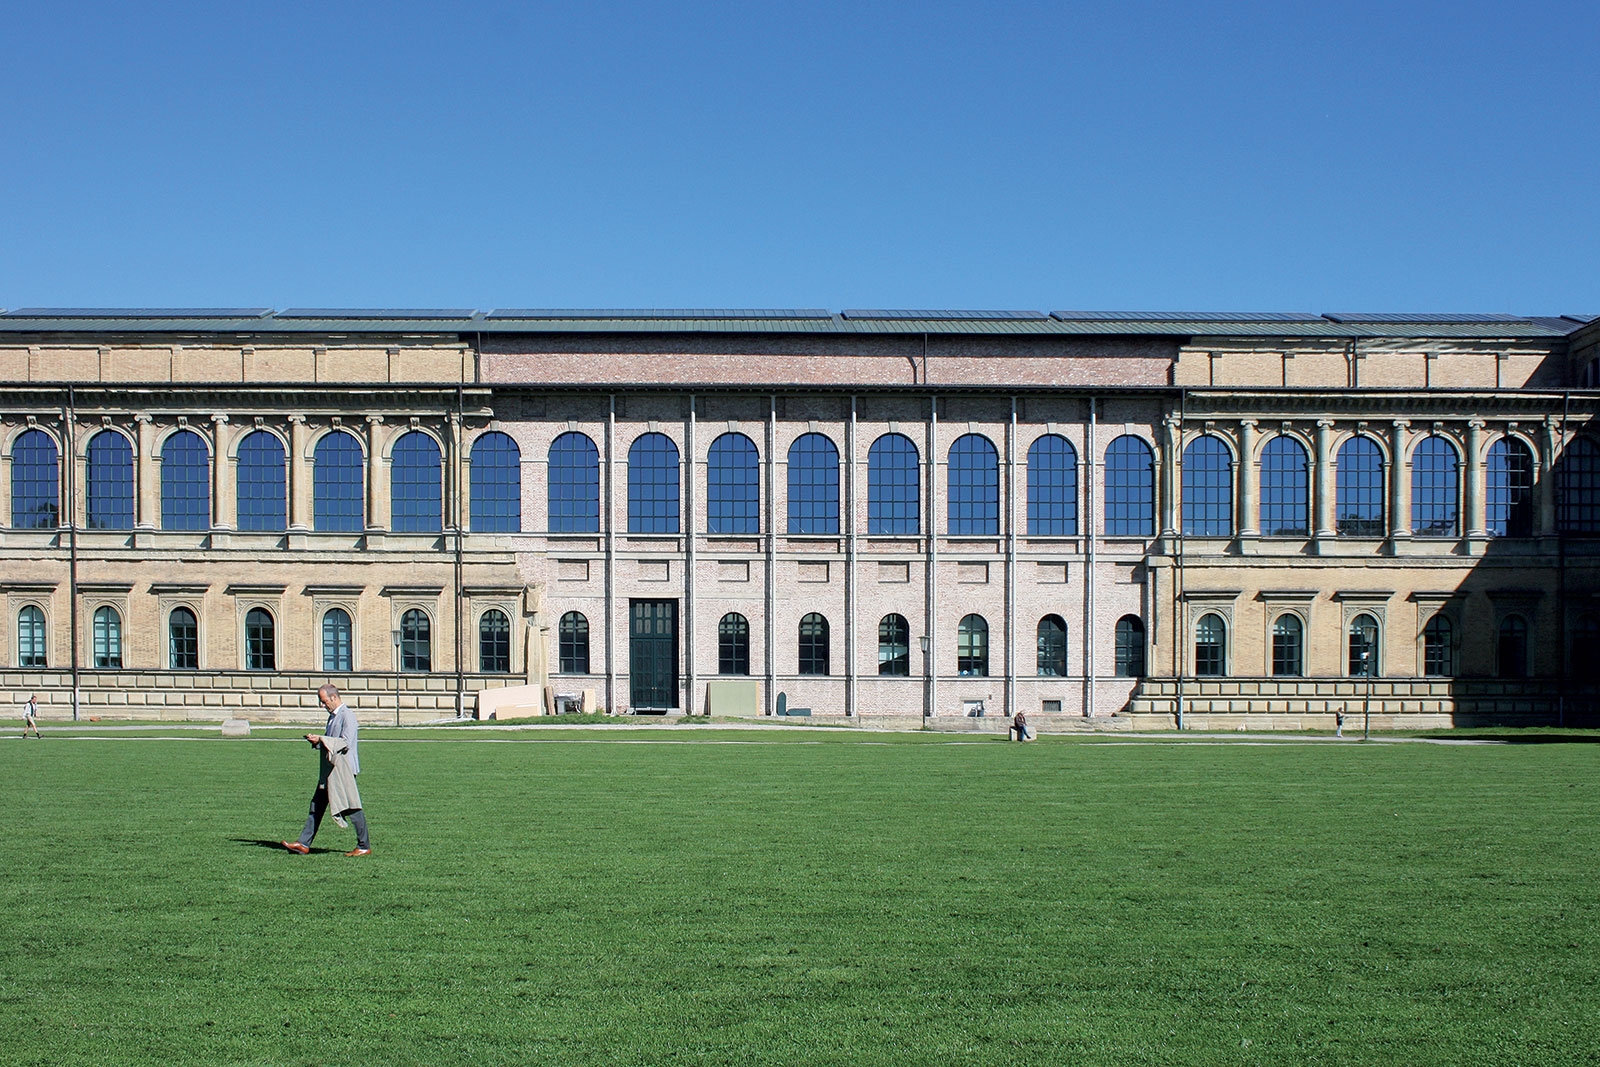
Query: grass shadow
x=276 y=846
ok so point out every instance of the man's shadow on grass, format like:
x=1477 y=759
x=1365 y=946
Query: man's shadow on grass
x=276 y=846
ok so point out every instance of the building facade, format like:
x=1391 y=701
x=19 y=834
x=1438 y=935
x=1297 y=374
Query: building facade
x=1138 y=520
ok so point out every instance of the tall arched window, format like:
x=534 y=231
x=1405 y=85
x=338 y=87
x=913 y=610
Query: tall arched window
x=1435 y=476
x=1130 y=488
x=1053 y=646
x=813 y=485
x=1130 y=647
x=496 y=484
x=185 y=482
x=894 y=646
x=733 y=644
x=494 y=643
x=31 y=649
x=572 y=639
x=1052 y=487
x=1438 y=647
x=108 y=478
x=336 y=640
x=260 y=645
x=263 y=484
x=972 y=646
x=1210 y=646
x=1510 y=498
x=1288 y=650
x=573 y=485
x=894 y=486
x=733 y=486
x=1578 y=488
x=974 y=497
x=417 y=480
x=1285 y=489
x=813 y=644
x=653 y=485
x=1358 y=494
x=416 y=641
x=1363 y=636
x=107 y=638
x=1511 y=658
x=35 y=481
x=183 y=640
x=1207 y=488
x=338 y=485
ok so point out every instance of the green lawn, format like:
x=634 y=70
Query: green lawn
x=803 y=897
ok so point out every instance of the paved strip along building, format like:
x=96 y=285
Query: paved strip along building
x=1143 y=520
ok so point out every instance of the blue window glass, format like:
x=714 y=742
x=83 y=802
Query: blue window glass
x=260 y=648
x=1510 y=499
x=494 y=643
x=263 y=483
x=972 y=646
x=338 y=485
x=1210 y=646
x=1285 y=489
x=35 y=481
x=813 y=644
x=653 y=485
x=1358 y=492
x=496 y=484
x=1207 y=488
x=573 y=485
x=108 y=477
x=894 y=646
x=1130 y=488
x=1130 y=647
x=1363 y=635
x=974 y=490
x=572 y=643
x=1052 y=487
x=31 y=650
x=733 y=644
x=185 y=482
x=733 y=488
x=416 y=481
x=894 y=486
x=336 y=640
x=1578 y=488
x=107 y=638
x=183 y=640
x=813 y=485
x=1287 y=648
x=1435 y=474
x=1052 y=643
x=416 y=641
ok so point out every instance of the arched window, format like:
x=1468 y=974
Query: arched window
x=185 y=482
x=1207 y=488
x=1435 y=474
x=494 y=643
x=338 y=486
x=1288 y=651
x=1130 y=488
x=183 y=640
x=1363 y=635
x=813 y=485
x=573 y=485
x=416 y=641
x=1130 y=647
x=108 y=478
x=31 y=650
x=894 y=646
x=974 y=497
x=733 y=486
x=1584 y=656
x=1510 y=497
x=653 y=485
x=1578 y=488
x=1511 y=650
x=1210 y=646
x=733 y=644
x=260 y=648
x=263 y=483
x=894 y=486
x=972 y=646
x=1052 y=487
x=336 y=640
x=1285 y=489
x=573 y=643
x=1358 y=495
x=35 y=481
x=813 y=644
x=496 y=484
x=417 y=480
x=107 y=638
x=1053 y=646
x=1438 y=647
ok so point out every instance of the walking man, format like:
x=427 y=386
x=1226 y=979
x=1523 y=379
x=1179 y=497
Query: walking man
x=336 y=776
x=30 y=709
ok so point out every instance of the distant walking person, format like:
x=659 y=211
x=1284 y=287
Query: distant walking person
x=336 y=776
x=30 y=711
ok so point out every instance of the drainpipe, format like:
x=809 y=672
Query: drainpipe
x=1091 y=545
x=688 y=571
x=931 y=659
x=1011 y=561
x=455 y=514
x=609 y=521
x=70 y=453
x=1180 y=633
x=1561 y=583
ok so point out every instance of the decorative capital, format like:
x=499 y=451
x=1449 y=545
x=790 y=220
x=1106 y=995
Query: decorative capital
x=1324 y=424
x=374 y=420
x=297 y=420
x=1477 y=424
x=220 y=420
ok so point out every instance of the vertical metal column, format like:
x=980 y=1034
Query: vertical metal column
x=772 y=562
x=1093 y=476
x=931 y=657
x=1011 y=561
x=688 y=571
x=609 y=519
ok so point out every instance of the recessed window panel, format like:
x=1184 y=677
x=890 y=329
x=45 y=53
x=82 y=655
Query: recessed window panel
x=733 y=486
x=653 y=485
x=108 y=478
x=974 y=491
x=1578 y=488
x=813 y=485
x=35 y=481
x=1510 y=483
x=338 y=486
x=496 y=488
x=1363 y=643
x=1052 y=487
x=183 y=640
x=336 y=640
x=894 y=646
x=1130 y=488
x=813 y=644
x=894 y=486
x=1052 y=642
x=1130 y=647
x=31 y=648
x=733 y=644
x=1438 y=647
x=185 y=482
x=1207 y=488
x=262 y=484
x=972 y=646
x=1285 y=489
x=107 y=638
x=260 y=645
x=1358 y=493
x=416 y=641
x=573 y=488
x=494 y=643
x=572 y=639
x=1288 y=650
x=417 y=485
x=1435 y=478
x=1210 y=646
x=1511 y=660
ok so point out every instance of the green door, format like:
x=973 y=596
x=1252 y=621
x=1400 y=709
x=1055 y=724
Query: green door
x=653 y=654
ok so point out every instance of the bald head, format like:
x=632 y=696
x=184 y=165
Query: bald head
x=328 y=694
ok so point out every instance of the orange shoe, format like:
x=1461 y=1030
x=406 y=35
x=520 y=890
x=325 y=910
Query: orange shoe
x=295 y=846
x=359 y=852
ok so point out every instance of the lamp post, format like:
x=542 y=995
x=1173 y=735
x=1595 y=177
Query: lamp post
x=926 y=710
x=394 y=635
x=1366 y=704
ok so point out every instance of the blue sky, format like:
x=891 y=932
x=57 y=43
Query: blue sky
x=1228 y=156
